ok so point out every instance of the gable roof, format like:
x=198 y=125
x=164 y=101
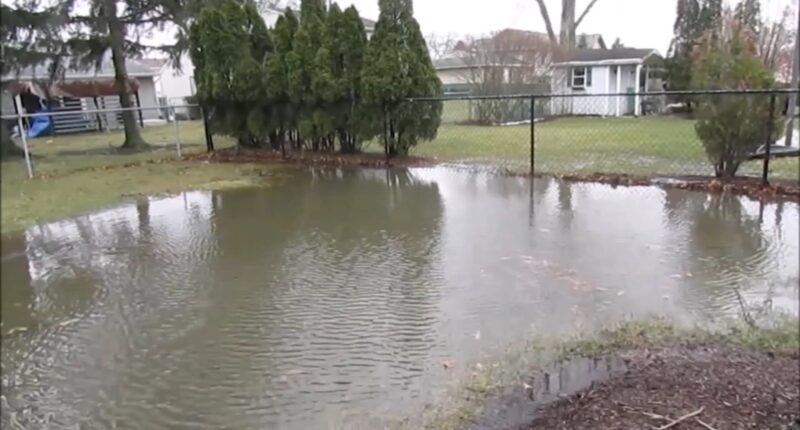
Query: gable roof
x=607 y=56
x=136 y=69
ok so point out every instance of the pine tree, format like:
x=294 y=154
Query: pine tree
x=398 y=66
x=748 y=12
x=116 y=27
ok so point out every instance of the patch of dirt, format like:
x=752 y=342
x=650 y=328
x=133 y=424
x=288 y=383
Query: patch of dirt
x=725 y=388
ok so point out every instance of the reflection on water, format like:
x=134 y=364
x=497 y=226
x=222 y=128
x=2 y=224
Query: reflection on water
x=333 y=298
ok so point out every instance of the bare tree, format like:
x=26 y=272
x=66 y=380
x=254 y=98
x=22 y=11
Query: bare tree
x=569 y=23
x=778 y=47
x=440 y=45
x=507 y=62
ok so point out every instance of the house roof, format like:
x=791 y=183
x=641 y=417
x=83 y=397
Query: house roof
x=607 y=56
x=136 y=69
x=451 y=62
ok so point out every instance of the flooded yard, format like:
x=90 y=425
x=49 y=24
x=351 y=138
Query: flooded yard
x=339 y=298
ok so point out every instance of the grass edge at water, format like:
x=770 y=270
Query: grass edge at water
x=782 y=337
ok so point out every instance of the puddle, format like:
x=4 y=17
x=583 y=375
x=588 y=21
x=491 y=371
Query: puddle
x=518 y=407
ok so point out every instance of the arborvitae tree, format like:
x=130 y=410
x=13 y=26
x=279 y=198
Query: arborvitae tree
x=282 y=112
x=694 y=19
x=398 y=66
x=301 y=64
x=338 y=81
x=229 y=46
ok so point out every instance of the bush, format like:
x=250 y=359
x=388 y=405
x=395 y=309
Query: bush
x=731 y=127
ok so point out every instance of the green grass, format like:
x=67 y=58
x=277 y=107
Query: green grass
x=636 y=146
x=79 y=173
x=518 y=363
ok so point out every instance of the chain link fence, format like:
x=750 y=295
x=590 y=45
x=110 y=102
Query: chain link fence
x=647 y=134
x=171 y=131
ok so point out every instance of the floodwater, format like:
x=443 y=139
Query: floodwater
x=332 y=298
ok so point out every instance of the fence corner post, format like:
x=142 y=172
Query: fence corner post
x=206 y=129
x=533 y=135
x=768 y=143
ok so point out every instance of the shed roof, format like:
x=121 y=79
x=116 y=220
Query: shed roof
x=599 y=56
x=135 y=68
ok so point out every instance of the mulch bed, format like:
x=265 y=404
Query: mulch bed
x=751 y=187
x=712 y=388
x=312 y=158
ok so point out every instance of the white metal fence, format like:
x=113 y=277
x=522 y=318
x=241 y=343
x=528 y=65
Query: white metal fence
x=82 y=118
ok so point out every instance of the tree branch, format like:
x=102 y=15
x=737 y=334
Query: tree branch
x=585 y=12
x=546 y=17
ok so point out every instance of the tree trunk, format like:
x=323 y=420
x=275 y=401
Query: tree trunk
x=8 y=149
x=795 y=84
x=116 y=36
x=567 y=36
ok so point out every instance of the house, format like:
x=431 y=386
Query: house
x=175 y=84
x=80 y=89
x=517 y=58
x=509 y=61
x=605 y=71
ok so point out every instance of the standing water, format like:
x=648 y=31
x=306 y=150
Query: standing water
x=333 y=297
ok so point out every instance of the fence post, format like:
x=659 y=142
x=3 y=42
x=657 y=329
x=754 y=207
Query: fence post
x=768 y=144
x=177 y=131
x=24 y=137
x=207 y=130
x=533 y=134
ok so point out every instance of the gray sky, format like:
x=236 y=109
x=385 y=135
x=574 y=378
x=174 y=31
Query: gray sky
x=639 y=23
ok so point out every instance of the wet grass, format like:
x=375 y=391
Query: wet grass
x=515 y=365
x=79 y=173
x=635 y=146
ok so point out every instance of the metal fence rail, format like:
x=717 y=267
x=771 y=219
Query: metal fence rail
x=86 y=120
x=648 y=134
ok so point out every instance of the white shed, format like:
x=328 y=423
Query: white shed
x=588 y=75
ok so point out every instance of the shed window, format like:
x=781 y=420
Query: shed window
x=581 y=77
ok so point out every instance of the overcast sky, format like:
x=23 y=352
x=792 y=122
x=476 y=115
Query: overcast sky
x=638 y=23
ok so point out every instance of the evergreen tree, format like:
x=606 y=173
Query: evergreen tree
x=398 y=66
x=748 y=12
x=229 y=46
x=694 y=19
x=115 y=27
x=282 y=112
x=338 y=81
x=27 y=34
x=302 y=64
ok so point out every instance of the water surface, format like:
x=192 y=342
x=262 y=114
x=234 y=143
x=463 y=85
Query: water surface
x=332 y=298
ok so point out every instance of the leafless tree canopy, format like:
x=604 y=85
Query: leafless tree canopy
x=440 y=45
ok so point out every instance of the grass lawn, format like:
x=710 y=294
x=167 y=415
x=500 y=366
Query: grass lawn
x=79 y=173
x=640 y=146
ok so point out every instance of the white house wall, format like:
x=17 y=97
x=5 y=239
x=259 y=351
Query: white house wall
x=453 y=76
x=176 y=85
x=604 y=80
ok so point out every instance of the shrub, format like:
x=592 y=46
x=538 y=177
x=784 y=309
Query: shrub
x=731 y=127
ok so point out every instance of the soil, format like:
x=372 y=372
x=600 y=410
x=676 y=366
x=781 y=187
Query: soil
x=731 y=389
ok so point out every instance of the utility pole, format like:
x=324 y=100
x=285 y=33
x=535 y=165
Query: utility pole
x=792 y=108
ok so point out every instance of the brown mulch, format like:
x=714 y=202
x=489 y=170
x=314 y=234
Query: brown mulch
x=312 y=158
x=725 y=388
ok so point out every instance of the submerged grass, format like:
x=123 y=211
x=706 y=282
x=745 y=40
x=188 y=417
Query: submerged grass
x=781 y=337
